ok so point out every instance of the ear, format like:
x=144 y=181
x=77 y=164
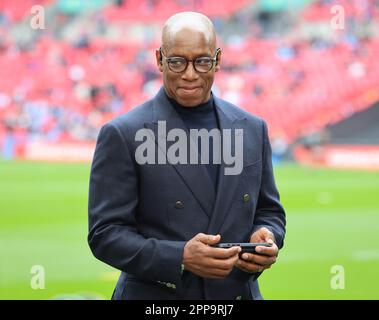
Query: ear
x=158 y=57
x=218 y=61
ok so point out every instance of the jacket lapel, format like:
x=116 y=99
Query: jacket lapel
x=195 y=176
x=227 y=184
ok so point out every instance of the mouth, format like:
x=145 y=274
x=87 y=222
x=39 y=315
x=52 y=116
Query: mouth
x=189 y=89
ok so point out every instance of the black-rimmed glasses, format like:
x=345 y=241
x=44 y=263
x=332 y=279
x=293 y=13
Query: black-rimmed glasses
x=200 y=64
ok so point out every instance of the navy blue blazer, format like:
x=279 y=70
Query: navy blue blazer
x=135 y=226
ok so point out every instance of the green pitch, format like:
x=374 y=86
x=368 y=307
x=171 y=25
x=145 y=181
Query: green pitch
x=332 y=235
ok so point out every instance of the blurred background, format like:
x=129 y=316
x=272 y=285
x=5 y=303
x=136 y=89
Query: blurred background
x=309 y=68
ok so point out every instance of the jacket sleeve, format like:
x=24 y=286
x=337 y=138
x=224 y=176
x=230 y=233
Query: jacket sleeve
x=112 y=207
x=269 y=212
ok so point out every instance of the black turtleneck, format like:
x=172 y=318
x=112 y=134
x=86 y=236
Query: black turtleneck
x=203 y=116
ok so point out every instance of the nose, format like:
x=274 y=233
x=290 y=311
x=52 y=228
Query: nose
x=190 y=73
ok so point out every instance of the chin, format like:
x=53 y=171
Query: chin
x=190 y=102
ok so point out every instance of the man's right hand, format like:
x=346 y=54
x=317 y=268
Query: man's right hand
x=206 y=261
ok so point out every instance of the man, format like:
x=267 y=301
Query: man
x=157 y=220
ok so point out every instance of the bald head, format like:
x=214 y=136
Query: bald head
x=189 y=21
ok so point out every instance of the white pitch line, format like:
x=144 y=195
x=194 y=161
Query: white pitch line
x=366 y=255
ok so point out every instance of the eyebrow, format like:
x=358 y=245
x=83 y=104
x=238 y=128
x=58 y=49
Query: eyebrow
x=202 y=55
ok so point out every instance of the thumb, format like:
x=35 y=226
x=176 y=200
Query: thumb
x=210 y=239
x=261 y=235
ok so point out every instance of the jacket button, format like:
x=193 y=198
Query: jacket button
x=179 y=205
x=246 y=197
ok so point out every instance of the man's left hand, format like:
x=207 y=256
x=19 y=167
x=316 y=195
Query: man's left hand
x=251 y=262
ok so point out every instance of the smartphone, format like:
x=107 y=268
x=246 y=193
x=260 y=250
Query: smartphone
x=247 y=247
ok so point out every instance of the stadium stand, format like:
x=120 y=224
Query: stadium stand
x=61 y=84
x=364 y=122
x=158 y=10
